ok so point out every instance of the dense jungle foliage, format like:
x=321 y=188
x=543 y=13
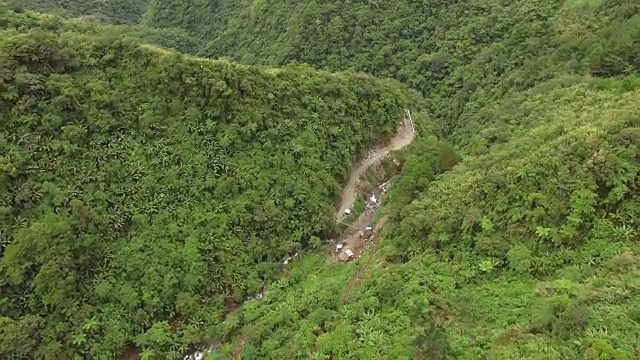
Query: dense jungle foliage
x=140 y=187
x=527 y=251
x=526 y=248
x=460 y=54
x=110 y=11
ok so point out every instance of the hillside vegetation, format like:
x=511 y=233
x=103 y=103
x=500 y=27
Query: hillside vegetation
x=110 y=11
x=523 y=243
x=529 y=251
x=459 y=54
x=140 y=187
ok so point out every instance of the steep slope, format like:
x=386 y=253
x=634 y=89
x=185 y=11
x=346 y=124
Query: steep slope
x=89 y=22
x=528 y=251
x=459 y=54
x=110 y=11
x=402 y=139
x=529 y=247
x=539 y=233
x=142 y=188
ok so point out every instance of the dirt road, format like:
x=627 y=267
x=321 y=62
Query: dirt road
x=404 y=137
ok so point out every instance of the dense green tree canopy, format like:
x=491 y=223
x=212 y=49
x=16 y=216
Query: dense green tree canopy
x=459 y=54
x=140 y=186
x=526 y=250
x=145 y=192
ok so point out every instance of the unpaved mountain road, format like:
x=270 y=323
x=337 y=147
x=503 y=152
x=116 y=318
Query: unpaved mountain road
x=404 y=136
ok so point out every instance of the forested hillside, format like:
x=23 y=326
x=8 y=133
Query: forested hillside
x=142 y=188
x=529 y=250
x=109 y=11
x=460 y=55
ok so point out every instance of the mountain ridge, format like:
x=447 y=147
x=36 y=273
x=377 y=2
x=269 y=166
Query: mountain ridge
x=510 y=228
x=144 y=189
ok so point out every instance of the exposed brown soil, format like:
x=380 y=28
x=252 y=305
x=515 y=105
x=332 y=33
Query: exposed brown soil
x=404 y=137
x=355 y=238
x=359 y=275
x=131 y=353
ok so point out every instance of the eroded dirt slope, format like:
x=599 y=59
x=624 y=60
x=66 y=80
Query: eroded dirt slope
x=404 y=137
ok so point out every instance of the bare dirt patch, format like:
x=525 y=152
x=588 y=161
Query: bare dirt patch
x=355 y=238
x=362 y=232
x=404 y=137
x=361 y=271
